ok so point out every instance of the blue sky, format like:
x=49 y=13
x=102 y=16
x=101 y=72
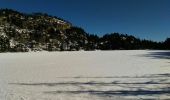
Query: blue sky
x=146 y=19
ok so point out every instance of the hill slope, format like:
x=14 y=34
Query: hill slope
x=24 y=32
x=21 y=32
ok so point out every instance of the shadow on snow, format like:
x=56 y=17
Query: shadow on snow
x=161 y=81
x=158 y=54
x=118 y=93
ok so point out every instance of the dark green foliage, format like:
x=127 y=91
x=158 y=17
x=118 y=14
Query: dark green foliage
x=167 y=44
x=92 y=42
x=4 y=44
x=76 y=38
x=120 y=41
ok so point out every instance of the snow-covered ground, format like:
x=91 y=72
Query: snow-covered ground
x=85 y=75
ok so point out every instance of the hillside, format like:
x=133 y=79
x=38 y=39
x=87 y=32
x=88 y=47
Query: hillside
x=24 y=32
x=20 y=32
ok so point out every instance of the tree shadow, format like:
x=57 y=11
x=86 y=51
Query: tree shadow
x=150 y=78
x=158 y=54
x=117 y=93
x=91 y=83
x=160 y=82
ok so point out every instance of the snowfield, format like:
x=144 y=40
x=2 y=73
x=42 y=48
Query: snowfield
x=85 y=75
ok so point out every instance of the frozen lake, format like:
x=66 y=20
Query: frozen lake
x=85 y=75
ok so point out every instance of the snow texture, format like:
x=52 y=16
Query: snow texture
x=85 y=75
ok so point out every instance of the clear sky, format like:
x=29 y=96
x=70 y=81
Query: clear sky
x=149 y=19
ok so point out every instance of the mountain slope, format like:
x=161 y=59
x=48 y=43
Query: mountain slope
x=21 y=32
x=24 y=32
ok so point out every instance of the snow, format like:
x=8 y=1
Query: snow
x=85 y=75
x=2 y=33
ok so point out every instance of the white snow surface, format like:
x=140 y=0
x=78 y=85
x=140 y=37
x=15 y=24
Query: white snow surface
x=85 y=75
